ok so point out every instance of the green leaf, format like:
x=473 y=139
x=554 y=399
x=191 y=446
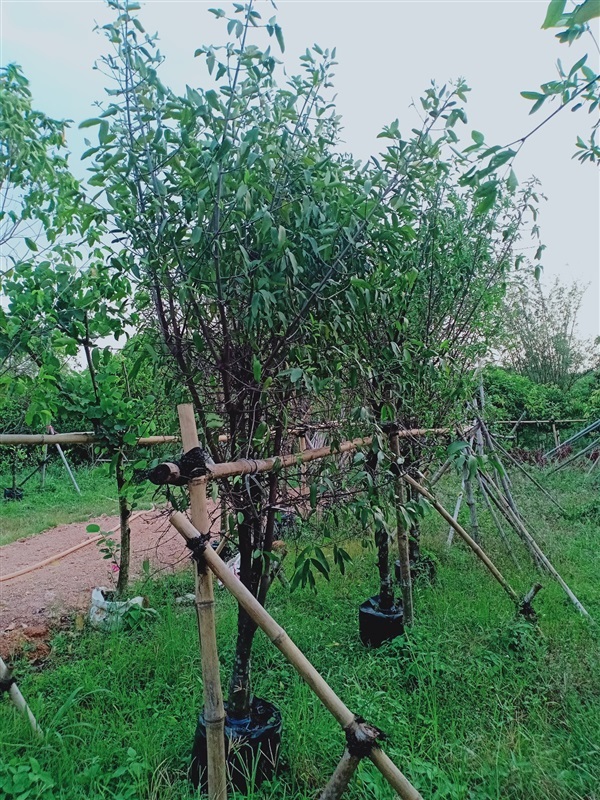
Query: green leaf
x=296 y=374
x=553 y=13
x=30 y=244
x=256 y=369
x=512 y=181
x=588 y=10
x=93 y=528
x=89 y=123
x=196 y=235
x=279 y=37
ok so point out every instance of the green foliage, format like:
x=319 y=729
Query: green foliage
x=540 y=338
x=581 y=82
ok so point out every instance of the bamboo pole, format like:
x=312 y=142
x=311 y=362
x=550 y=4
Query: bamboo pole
x=293 y=654
x=17 y=698
x=340 y=780
x=441 y=472
x=595 y=443
x=11 y=439
x=497 y=522
x=541 y=556
x=44 y=462
x=471 y=503
x=214 y=712
x=403 y=544
x=455 y=516
x=247 y=466
x=465 y=536
x=64 y=553
x=522 y=469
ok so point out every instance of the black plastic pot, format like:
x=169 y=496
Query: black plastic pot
x=423 y=568
x=251 y=745
x=379 y=625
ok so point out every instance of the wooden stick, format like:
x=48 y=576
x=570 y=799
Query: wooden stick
x=595 y=443
x=340 y=780
x=403 y=543
x=214 y=711
x=465 y=536
x=542 y=556
x=294 y=655
x=17 y=698
x=63 y=553
x=441 y=472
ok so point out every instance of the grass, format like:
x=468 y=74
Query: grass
x=57 y=503
x=475 y=704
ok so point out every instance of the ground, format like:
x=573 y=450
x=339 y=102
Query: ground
x=477 y=705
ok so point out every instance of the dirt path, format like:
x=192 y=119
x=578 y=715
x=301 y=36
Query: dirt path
x=42 y=597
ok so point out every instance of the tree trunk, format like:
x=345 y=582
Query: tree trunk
x=124 y=514
x=386 y=594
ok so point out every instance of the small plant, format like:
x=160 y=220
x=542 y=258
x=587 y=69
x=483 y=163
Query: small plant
x=24 y=779
x=109 y=548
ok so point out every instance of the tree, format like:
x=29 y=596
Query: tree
x=541 y=340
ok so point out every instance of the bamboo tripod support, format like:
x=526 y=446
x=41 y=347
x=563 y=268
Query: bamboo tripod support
x=214 y=712
x=293 y=654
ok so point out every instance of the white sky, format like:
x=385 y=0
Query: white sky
x=388 y=51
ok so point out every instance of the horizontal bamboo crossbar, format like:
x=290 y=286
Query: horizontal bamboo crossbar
x=535 y=421
x=294 y=655
x=12 y=439
x=252 y=466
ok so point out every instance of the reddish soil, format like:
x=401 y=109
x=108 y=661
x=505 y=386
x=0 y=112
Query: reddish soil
x=48 y=596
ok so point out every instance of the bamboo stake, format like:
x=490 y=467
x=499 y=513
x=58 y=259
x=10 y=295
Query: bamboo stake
x=504 y=480
x=543 y=558
x=68 y=468
x=44 y=462
x=455 y=516
x=471 y=503
x=17 y=698
x=340 y=780
x=441 y=472
x=403 y=544
x=522 y=469
x=465 y=536
x=293 y=654
x=556 y=436
x=214 y=712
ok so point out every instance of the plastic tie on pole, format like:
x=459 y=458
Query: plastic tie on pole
x=361 y=737
x=198 y=546
x=6 y=683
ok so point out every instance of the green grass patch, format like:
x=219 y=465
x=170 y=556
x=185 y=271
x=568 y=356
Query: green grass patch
x=476 y=705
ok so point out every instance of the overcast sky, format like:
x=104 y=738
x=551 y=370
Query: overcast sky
x=388 y=51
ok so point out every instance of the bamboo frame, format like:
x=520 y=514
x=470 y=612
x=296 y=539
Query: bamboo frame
x=214 y=711
x=293 y=654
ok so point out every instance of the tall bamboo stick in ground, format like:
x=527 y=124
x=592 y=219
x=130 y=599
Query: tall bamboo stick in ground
x=455 y=515
x=471 y=503
x=465 y=536
x=403 y=546
x=293 y=654
x=214 y=712
x=17 y=698
x=340 y=780
x=541 y=555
